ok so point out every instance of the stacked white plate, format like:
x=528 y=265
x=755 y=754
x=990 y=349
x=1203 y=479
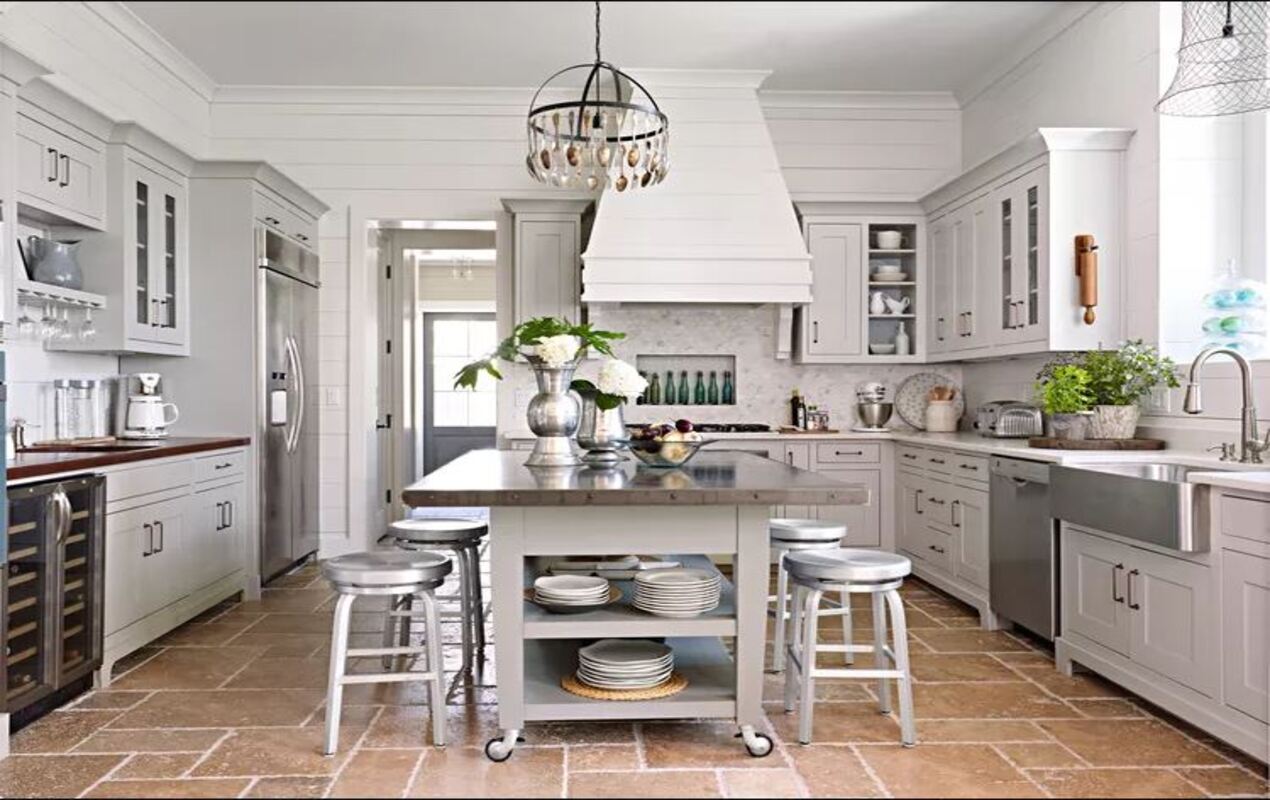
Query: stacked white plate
x=681 y=592
x=571 y=590
x=625 y=664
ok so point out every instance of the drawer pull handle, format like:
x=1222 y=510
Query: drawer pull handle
x=1129 y=585
x=939 y=461
x=226 y=465
x=149 y=551
x=937 y=501
x=917 y=501
x=64 y=162
x=909 y=456
x=848 y=452
x=52 y=176
x=939 y=550
x=970 y=467
x=302 y=237
x=955 y=522
x=273 y=220
x=1118 y=598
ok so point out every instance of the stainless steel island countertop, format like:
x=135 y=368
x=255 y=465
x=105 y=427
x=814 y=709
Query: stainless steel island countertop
x=714 y=477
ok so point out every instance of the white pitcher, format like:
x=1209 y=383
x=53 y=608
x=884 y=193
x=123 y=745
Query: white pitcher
x=877 y=303
x=897 y=306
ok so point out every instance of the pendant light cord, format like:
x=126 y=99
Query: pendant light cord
x=1227 y=31
x=597 y=29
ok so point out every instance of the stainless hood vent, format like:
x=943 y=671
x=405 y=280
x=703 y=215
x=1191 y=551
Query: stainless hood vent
x=721 y=228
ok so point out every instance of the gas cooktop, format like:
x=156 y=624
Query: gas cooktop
x=732 y=427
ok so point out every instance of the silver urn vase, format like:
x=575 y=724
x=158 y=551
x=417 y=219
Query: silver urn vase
x=554 y=414
x=602 y=433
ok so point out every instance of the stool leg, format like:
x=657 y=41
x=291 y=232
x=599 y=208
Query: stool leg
x=807 y=706
x=437 y=668
x=792 y=640
x=782 y=608
x=335 y=682
x=848 y=657
x=465 y=609
x=879 y=652
x=403 y=632
x=478 y=610
x=390 y=623
x=908 y=725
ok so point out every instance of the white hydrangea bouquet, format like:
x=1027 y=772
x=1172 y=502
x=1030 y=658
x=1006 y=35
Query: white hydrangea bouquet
x=617 y=383
x=549 y=342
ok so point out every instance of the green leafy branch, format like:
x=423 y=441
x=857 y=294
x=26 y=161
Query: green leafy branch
x=604 y=402
x=531 y=332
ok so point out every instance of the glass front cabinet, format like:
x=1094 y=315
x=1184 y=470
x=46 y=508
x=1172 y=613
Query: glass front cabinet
x=1020 y=313
x=155 y=304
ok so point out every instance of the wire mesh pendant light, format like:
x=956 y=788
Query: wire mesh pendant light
x=1222 y=63
x=612 y=136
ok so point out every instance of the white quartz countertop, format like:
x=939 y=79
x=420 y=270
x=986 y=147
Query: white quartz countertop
x=1256 y=480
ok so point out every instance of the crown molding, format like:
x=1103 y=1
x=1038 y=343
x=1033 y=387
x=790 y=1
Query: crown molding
x=927 y=101
x=375 y=95
x=131 y=27
x=700 y=78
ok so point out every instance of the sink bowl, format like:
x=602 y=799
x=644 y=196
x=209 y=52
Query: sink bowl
x=1147 y=501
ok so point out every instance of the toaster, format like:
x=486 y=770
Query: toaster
x=1009 y=419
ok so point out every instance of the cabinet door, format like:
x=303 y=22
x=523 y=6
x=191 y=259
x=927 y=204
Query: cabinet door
x=156 y=264
x=910 y=518
x=1245 y=646
x=1174 y=615
x=970 y=524
x=547 y=270
x=937 y=503
x=1032 y=196
x=8 y=209
x=1094 y=589
x=60 y=175
x=215 y=534
x=799 y=455
x=832 y=323
x=941 y=272
x=129 y=544
x=167 y=570
x=864 y=523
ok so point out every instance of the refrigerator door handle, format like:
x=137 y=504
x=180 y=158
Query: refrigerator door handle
x=293 y=369
x=297 y=365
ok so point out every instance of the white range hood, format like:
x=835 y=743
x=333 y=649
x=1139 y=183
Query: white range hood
x=721 y=228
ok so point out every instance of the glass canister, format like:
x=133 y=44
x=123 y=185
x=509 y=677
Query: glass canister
x=79 y=409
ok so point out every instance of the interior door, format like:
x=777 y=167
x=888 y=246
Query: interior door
x=276 y=510
x=456 y=421
x=837 y=258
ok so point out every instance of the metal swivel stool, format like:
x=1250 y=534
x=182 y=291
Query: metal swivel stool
x=462 y=537
x=849 y=571
x=794 y=535
x=396 y=574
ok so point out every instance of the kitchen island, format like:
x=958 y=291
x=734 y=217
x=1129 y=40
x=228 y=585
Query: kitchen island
x=718 y=504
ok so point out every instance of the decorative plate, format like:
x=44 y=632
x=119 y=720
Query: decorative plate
x=910 y=400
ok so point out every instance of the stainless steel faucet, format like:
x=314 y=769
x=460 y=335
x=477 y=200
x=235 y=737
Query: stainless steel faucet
x=1251 y=445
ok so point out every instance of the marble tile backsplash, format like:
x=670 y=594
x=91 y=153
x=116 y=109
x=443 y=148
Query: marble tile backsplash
x=29 y=373
x=748 y=333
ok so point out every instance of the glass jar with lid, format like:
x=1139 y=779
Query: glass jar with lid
x=80 y=409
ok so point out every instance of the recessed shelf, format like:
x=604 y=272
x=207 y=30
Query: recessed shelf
x=892 y=284
x=892 y=316
x=903 y=252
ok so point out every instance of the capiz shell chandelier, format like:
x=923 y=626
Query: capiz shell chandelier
x=613 y=136
x=1222 y=63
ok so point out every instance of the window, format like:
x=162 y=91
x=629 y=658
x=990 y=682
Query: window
x=456 y=342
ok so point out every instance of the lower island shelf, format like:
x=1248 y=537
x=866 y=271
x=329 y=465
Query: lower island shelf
x=704 y=661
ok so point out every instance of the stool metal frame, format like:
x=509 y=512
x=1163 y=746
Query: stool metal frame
x=779 y=548
x=890 y=663
x=431 y=650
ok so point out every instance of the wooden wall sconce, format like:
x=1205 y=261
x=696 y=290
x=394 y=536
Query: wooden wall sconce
x=1087 y=273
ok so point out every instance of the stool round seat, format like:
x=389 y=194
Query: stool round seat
x=847 y=565
x=806 y=530
x=386 y=568
x=437 y=531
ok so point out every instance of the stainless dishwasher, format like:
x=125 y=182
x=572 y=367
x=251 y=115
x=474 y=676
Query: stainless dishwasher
x=1023 y=544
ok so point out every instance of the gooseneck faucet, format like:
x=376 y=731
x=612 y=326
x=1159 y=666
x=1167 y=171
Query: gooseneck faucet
x=1251 y=446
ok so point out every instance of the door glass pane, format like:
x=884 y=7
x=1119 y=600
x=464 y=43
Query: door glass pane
x=456 y=342
x=1033 y=256
x=79 y=558
x=26 y=595
x=169 y=261
x=1007 y=272
x=143 y=243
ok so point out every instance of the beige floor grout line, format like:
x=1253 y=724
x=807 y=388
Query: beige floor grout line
x=189 y=772
x=868 y=770
x=720 y=783
x=1039 y=786
x=564 y=771
x=641 y=755
x=352 y=751
x=251 y=784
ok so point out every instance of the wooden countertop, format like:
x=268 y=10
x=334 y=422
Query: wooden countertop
x=713 y=477
x=36 y=462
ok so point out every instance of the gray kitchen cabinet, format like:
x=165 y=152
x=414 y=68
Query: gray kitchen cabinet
x=1018 y=309
x=970 y=518
x=61 y=169
x=798 y=454
x=943 y=277
x=144 y=564
x=547 y=260
x=1157 y=610
x=864 y=523
x=910 y=519
x=1245 y=616
x=830 y=326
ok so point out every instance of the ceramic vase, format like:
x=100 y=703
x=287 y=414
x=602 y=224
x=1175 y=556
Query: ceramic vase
x=1073 y=427
x=1114 y=422
x=553 y=416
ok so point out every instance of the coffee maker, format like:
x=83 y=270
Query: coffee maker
x=145 y=415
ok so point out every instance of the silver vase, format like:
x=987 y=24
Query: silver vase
x=553 y=416
x=602 y=433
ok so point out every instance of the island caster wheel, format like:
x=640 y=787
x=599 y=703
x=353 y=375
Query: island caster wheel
x=757 y=745
x=497 y=750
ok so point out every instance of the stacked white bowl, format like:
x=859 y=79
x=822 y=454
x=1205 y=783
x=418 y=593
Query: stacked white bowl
x=680 y=592
x=625 y=664
x=571 y=590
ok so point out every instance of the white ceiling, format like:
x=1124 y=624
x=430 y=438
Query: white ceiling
x=884 y=46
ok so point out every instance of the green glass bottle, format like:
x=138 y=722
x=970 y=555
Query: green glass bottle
x=670 y=388
x=643 y=397
x=684 y=390
x=712 y=391
x=699 y=393
x=729 y=391
x=654 y=391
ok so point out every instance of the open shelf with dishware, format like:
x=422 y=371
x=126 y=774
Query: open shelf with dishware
x=868 y=295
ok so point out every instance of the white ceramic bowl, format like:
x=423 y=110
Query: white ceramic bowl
x=882 y=349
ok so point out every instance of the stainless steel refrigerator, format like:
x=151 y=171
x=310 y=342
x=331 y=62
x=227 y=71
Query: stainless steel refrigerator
x=288 y=288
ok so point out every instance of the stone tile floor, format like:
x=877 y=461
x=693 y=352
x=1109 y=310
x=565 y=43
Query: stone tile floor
x=230 y=705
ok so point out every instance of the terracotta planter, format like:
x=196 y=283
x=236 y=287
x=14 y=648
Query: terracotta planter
x=1114 y=422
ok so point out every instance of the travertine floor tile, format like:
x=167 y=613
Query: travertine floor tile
x=1227 y=781
x=987 y=701
x=377 y=773
x=1040 y=754
x=946 y=770
x=1129 y=743
x=208 y=634
x=684 y=745
x=284 y=645
x=188 y=668
x=466 y=772
x=978 y=730
x=1109 y=707
x=850 y=691
x=964 y=667
x=594 y=757
x=1082 y=686
x=684 y=783
x=761 y=783
x=839 y=723
x=150 y=741
x=60 y=731
x=165 y=789
x=275 y=751
x=151 y=766
x=105 y=700
x=281 y=673
x=222 y=709
x=969 y=641
x=832 y=771
x=1114 y=783
x=289 y=787
x=53 y=776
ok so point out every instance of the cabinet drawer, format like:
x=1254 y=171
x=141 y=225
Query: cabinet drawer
x=848 y=453
x=220 y=465
x=271 y=212
x=939 y=461
x=909 y=457
x=974 y=468
x=939 y=550
x=1245 y=517
x=937 y=503
x=126 y=483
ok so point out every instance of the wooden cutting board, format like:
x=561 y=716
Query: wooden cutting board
x=1049 y=443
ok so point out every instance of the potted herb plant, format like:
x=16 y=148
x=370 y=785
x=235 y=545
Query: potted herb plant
x=1063 y=392
x=553 y=347
x=1119 y=379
